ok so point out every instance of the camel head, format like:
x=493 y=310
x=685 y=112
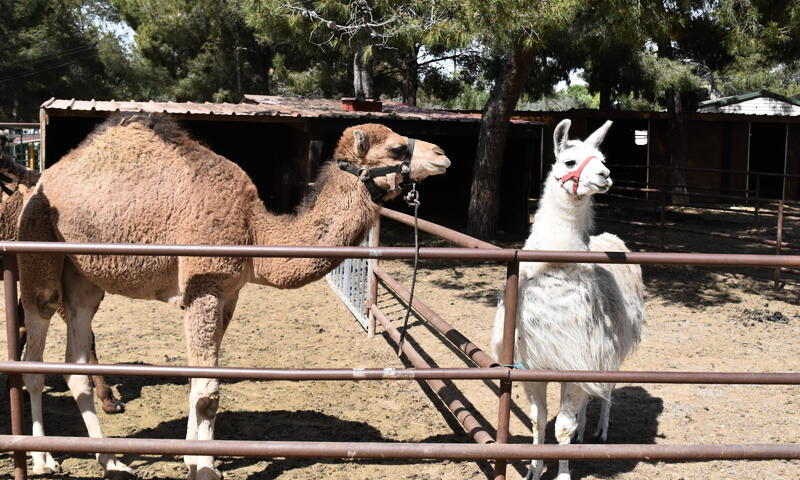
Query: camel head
x=579 y=166
x=374 y=146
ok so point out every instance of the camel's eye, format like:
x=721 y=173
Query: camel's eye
x=570 y=163
x=398 y=149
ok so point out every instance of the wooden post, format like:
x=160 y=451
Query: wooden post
x=779 y=238
x=663 y=218
x=758 y=195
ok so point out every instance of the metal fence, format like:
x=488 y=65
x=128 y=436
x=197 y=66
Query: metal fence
x=487 y=447
x=351 y=280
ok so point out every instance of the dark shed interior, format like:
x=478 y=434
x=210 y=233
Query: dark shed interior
x=283 y=155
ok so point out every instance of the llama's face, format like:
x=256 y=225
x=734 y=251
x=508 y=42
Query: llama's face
x=378 y=146
x=580 y=166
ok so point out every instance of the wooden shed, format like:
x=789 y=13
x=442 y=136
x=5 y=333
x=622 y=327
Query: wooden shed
x=729 y=154
x=282 y=141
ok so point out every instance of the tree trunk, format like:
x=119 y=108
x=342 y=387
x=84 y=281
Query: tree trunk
x=410 y=77
x=605 y=97
x=484 y=202
x=362 y=74
x=678 y=156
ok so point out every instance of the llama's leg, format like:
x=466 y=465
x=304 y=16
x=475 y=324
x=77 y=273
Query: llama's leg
x=81 y=300
x=537 y=394
x=601 y=433
x=103 y=392
x=573 y=399
x=37 y=324
x=204 y=326
x=581 y=422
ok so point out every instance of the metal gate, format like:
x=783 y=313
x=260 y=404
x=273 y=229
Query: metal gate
x=351 y=281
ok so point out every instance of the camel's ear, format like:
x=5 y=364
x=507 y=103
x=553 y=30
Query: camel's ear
x=561 y=135
x=360 y=143
x=597 y=137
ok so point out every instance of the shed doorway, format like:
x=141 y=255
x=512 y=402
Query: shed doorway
x=767 y=160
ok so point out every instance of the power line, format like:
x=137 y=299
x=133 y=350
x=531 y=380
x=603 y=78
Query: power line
x=36 y=72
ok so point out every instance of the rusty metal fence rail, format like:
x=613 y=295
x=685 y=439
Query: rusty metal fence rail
x=487 y=448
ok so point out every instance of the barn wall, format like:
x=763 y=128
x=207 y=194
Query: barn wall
x=273 y=155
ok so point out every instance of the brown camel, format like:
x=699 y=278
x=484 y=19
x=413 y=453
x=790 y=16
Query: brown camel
x=143 y=180
x=17 y=182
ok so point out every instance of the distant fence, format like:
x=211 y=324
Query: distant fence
x=489 y=447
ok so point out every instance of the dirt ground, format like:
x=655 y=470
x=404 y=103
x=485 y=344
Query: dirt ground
x=698 y=320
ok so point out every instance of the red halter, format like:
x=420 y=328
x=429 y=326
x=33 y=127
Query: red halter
x=575 y=175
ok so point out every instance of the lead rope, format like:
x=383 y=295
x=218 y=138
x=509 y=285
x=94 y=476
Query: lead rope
x=412 y=199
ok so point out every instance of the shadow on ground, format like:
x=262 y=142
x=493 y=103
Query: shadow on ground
x=634 y=419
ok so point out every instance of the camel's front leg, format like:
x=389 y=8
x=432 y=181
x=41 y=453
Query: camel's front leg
x=204 y=327
x=81 y=300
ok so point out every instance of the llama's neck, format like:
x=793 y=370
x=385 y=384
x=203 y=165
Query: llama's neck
x=563 y=221
x=338 y=213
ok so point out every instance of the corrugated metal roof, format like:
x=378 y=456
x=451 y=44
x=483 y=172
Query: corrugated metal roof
x=266 y=105
x=191 y=108
x=724 y=101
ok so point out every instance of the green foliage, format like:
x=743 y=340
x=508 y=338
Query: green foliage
x=49 y=49
x=203 y=48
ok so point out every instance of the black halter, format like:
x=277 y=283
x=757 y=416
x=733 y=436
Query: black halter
x=368 y=175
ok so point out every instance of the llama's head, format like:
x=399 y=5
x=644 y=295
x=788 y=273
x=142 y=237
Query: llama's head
x=580 y=166
x=373 y=146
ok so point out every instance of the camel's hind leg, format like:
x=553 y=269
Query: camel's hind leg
x=81 y=300
x=205 y=321
x=40 y=307
x=108 y=401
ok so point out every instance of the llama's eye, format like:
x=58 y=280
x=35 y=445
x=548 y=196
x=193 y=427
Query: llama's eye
x=398 y=149
x=570 y=163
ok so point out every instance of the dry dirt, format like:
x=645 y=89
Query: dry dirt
x=697 y=320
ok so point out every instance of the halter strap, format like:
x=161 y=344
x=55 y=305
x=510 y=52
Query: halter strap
x=368 y=175
x=575 y=175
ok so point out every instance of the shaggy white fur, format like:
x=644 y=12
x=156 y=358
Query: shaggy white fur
x=573 y=316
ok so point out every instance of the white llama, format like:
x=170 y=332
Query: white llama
x=573 y=316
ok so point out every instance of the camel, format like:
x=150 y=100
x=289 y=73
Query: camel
x=17 y=184
x=142 y=179
x=573 y=316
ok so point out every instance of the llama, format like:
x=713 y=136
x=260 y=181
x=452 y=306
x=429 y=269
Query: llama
x=573 y=316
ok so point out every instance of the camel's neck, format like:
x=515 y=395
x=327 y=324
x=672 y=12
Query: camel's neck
x=562 y=222
x=339 y=213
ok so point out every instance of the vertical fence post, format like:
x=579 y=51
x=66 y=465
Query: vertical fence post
x=374 y=241
x=779 y=238
x=758 y=196
x=507 y=358
x=14 y=380
x=663 y=218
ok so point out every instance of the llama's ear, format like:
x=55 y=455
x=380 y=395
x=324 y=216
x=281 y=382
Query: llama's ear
x=597 y=137
x=360 y=143
x=561 y=135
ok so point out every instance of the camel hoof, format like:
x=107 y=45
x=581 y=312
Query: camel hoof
x=49 y=467
x=208 y=473
x=112 y=406
x=120 y=475
x=53 y=469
